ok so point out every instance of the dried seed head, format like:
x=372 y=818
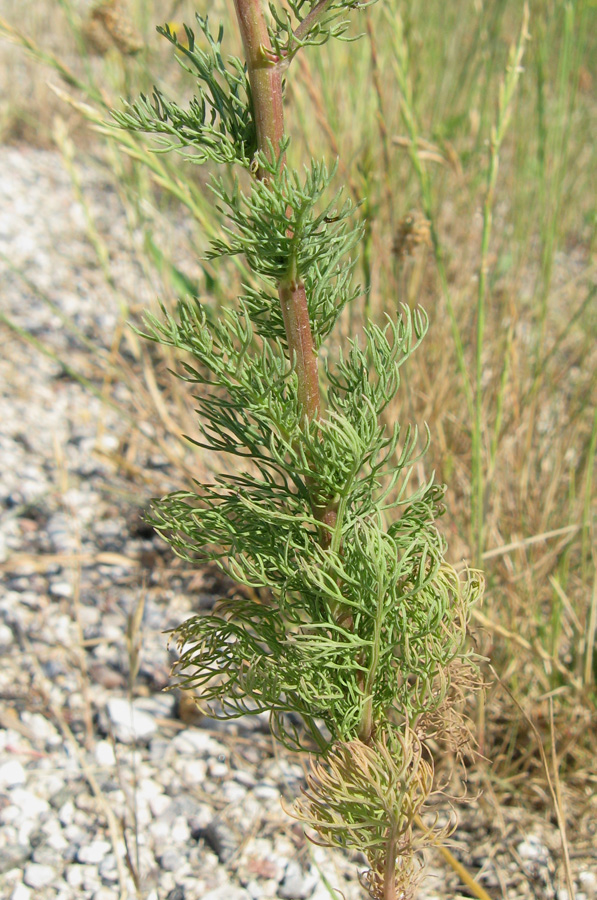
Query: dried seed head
x=109 y=25
x=366 y=797
x=414 y=230
x=448 y=723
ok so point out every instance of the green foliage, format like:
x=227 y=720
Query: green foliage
x=218 y=124
x=283 y=230
x=309 y=22
x=297 y=652
x=354 y=618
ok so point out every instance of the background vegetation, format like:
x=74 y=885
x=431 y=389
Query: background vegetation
x=502 y=257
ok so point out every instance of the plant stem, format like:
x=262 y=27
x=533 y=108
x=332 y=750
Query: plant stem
x=366 y=724
x=264 y=78
x=316 y=14
x=389 y=875
x=266 y=91
x=295 y=313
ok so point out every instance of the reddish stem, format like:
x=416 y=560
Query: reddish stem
x=295 y=313
x=266 y=91
x=264 y=78
x=389 y=875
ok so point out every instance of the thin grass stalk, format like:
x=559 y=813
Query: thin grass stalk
x=506 y=99
x=380 y=114
x=553 y=159
x=501 y=395
x=587 y=498
x=401 y=70
x=15 y=36
x=589 y=668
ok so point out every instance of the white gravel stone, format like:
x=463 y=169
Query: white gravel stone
x=296 y=884
x=104 y=754
x=321 y=892
x=74 y=875
x=38 y=876
x=532 y=849
x=6 y=635
x=227 y=892
x=26 y=828
x=159 y=804
x=61 y=589
x=21 y=892
x=180 y=833
x=197 y=742
x=93 y=853
x=66 y=813
x=217 y=769
x=232 y=792
x=194 y=771
x=108 y=869
x=130 y=724
x=57 y=842
x=247 y=779
x=149 y=789
x=12 y=773
x=30 y=805
x=105 y=893
x=266 y=792
x=171 y=860
x=42 y=728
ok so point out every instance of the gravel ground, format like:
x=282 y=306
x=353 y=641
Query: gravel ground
x=102 y=798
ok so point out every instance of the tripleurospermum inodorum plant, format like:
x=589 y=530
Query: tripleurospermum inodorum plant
x=353 y=641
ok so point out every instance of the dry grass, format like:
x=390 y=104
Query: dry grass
x=419 y=154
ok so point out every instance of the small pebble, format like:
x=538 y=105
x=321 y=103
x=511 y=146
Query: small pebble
x=217 y=769
x=247 y=779
x=12 y=773
x=177 y=893
x=6 y=636
x=221 y=840
x=44 y=855
x=108 y=868
x=38 y=876
x=296 y=884
x=105 y=893
x=194 y=771
x=61 y=589
x=180 y=831
x=172 y=860
x=130 y=725
x=199 y=743
x=227 y=892
x=588 y=882
x=31 y=805
x=21 y=892
x=104 y=754
x=66 y=813
x=92 y=854
x=232 y=792
x=266 y=792
x=532 y=849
